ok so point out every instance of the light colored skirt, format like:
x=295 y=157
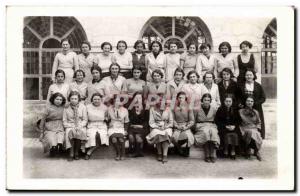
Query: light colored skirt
x=156 y=135
x=54 y=134
x=183 y=135
x=71 y=133
x=116 y=130
x=206 y=132
x=249 y=133
x=69 y=72
x=92 y=129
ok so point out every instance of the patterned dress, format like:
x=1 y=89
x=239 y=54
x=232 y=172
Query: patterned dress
x=85 y=64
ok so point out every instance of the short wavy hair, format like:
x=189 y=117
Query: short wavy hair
x=227 y=44
x=53 y=97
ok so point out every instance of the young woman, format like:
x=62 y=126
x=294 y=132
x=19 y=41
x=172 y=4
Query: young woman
x=96 y=85
x=53 y=133
x=155 y=60
x=65 y=60
x=138 y=126
x=208 y=86
x=104 y=59
x=250 y=128
x=75 y=121
x=123 y=58
x=188 y=60
x=139 y=58
x=227 y=120
x=79 y=84
x=206 y=61
x=96 y=127
x=172 y=61
x=245 y=61
x=206 y=130
x=161 y=123
x=134 y=84
x=176 y=85
x=227 y=85
x=226 y=59
x=118 y=126
x=86 y=60
x=59 y=86
x=183 y=122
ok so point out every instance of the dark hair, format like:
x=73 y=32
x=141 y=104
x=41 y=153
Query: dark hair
x=178 y=69
x=192 y=72
x=94 y=95
x=78 y=70
x=226 y=69
x=172 y=42
x=227 y=44
x=121 y=41
x=192 y=43
x=206 y=95
x=249 y=96
x=106 y=43
x=137 y=68
x=209 y=72
x=74 y=93
x=251 y=70
x=133 y=98
x=87 y=43
x=156 y=42
x=60 y=71
x=247 y=43
x=229 y=95
x=53 y=97
x=204 y=45
x=181 y=93
x=158 y=71
x=139 y=42
x=96 y=67
x=65 y=40
x=114 y=64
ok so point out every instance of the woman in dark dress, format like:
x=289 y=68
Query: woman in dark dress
x=138 y=58
x=227 y=85
x=253 y=88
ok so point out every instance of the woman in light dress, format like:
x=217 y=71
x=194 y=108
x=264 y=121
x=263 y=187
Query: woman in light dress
x=123 y=59
x=60 y=86
x=104 y=59
x=209 y=86
x=176 y=85
x=86 y=60
x=79 y=84
x=206 y=60
x=172 y=61
x=188 y=60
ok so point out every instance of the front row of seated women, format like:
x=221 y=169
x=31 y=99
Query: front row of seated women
x=84 y=128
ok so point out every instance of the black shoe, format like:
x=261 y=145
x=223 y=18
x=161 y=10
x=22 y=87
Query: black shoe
x=257 y=154
x=207 y=159
x=76 y=157
x=87 y=157
x=232 y=157
x=139 y=155
x=70 y=159
x=159 y=157
x=212 y=159
x=164 y=159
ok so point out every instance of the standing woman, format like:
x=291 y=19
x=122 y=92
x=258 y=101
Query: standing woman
x=161 y=123
x=226 y=59
x=79 y=84
x=96 y=127
x=59 y=86
x=123 y=58
x=245 y=61
x=209 y=86
x=155 y=60
x=206 y=61
x=250 y=128
x=176 y=85
x=157 y=86
x=75 y=121
x=188 y=60
x=65 y=60
x=96 y=85
x=227 y=85
x=135 y=84
x=139 y=58
x=86 y=60
x=251 y=87
x=206 y=130
x=172 y=61
x=104 y=59
x=193 y=90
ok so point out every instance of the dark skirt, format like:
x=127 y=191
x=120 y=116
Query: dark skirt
x=231 y=138
x=117 y=135
x=141 y=131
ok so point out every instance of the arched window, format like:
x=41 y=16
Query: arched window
x=41 y=42
x=182 y=30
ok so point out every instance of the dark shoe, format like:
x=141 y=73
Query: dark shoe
x=258 y=156
x=122 y=158
x=70 y=159
x=117 y=158
x=159 y=157
x=164 y=159
x=76 y=158
x=207 y=159
x=139 y=155
x=232 y=157
x=87 y=157
x=212 y=159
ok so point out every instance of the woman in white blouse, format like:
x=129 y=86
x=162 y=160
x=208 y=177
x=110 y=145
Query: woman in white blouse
x=104 y=59
x=86 y=60
x=208 y=86
x=123 y=58
x=206 y=61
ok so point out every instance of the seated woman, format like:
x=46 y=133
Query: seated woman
x=227 y=120
x=74 y=121
x=250 y=128
x=208 y=86
x=59 y=86
x=183 y=122
x=206 y=132
x=79 y=84
x=53 y=133
x=96 y=127
x=138 y=126
x=161 y=123
x=118 y=125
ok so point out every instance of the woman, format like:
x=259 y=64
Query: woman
x=53 y=133
x=183 y=122
x=227 y=85
x=172 y=61
x=96 y=85
x=74 y=121
x=206 y=132
x=161 y=123
x=227 y=120
x=188 y=60
x=226 y=59
x=104 y=59
x=176 y=85
x=79 y=84
x=250 y=128
x=134 y=84
x=138 y=126
x=123 y=59
x=118 y=126
x=65 y=60
x=86 y=60
x=251 y=87
x=208 y=86
x=96 y=127
x=139 y=58
x=59 y=86
x=245 y=61
x=155 y=60
x=206 y=61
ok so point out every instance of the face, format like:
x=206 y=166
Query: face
x=121 y=48
x=96 y=74
x=228 y=102
x=178 y=76
x=106 y=49
x=181 y=98
x=136 y=74
x=79 y=76
x=155 y=48
x=65 y=45
x=249 y=102
x=139 y=48
x=192 y=49
x=114 y=70
x=173 y=48
x=249 y=76
x=206 y=101
x=85 y=48
x=205 y=50
x=245 y=48
x=224 y=49
x=156 y=77
x=193 y=78
x=225 y=76
x=96 y=100
x=208 y=78
x=74 y=99
x=58 y=101
x=60 y=78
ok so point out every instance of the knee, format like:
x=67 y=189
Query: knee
x=139 y=140
x=131 y=138
x=121 y=140
x=114 y=140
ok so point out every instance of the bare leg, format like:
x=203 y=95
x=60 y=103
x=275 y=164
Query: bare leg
x=116 y=146
x=122 y=147
x=165 y=147
x=71 y=155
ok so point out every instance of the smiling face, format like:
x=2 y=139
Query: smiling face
x=79 y=76
x=192 y=49
x=96 y=74
x=224 y=50
x=65 y=45
x=97 y=100
x=139 y=48
x=85 y=48
x=60 y=78
x=205 y=50
x=249 y=76
x=58 y=101
x=74 y=100
x=249 y=102
x=136 y=74
x=156 y=77
x=206 y=102
x=173 y=48
x=228 y=102
x=193 y=78
x=155 y=48
x=106 y=49
x=114 y=70
x=121 y=48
